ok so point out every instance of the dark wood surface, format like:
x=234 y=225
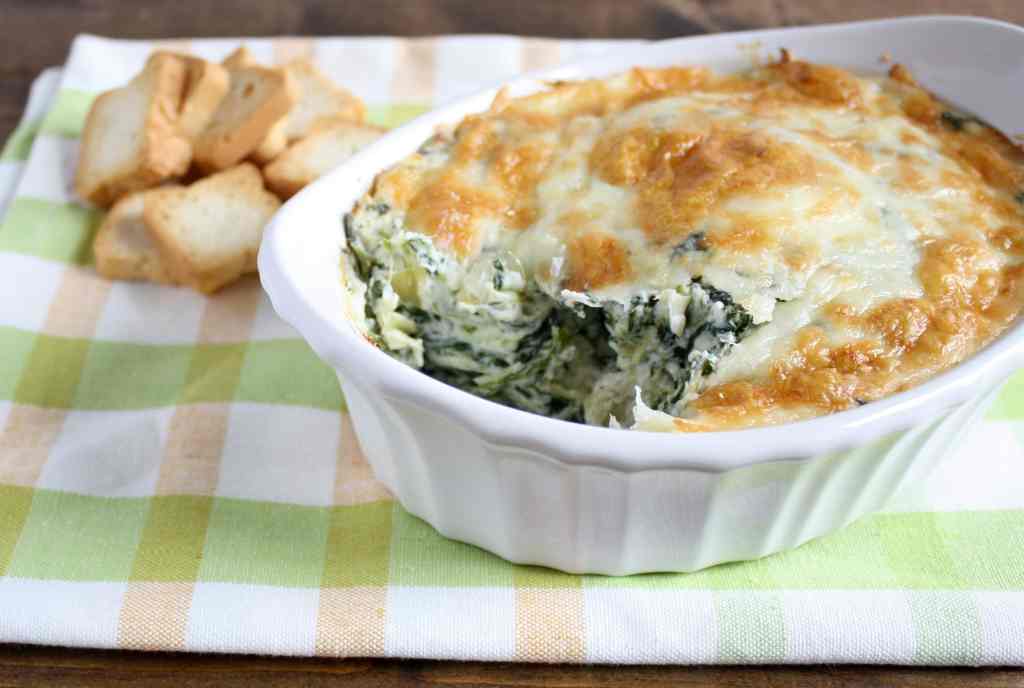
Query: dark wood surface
x=39 y=666
x=37 y=34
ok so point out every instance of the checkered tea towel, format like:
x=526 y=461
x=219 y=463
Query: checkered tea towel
x=179 y=472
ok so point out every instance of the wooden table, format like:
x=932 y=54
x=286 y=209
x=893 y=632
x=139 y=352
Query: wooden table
x=37 y=34
x=36 y=666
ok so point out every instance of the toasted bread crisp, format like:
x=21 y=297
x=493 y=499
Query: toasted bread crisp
x=257 y=99
x=209 y=233
x=240 y=57
x=123 y=246
x=319 y=97
x=331 y=143
x=131 y=139
x=206 y=85
x=276 y=139
x=273 y=144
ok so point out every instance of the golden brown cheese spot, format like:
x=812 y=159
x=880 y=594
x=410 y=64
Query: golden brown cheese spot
x=917 y=103
x=902 y=75
x=992 y=165
x=821 y=375
x=1008 y=209
x=520 y=215
x=448 y=211
x=824 y=83
x=692 y=425
x=747 y=233
x=951 y=179
x=475 y=137
x=669 y=79
x=576 y=221
x=648 y=84
x=849 y=150
x=813 y=374
x=852 y=152
x=1009 y=238
x=801 y=258
x=948 y=269
x=596 y=260
x=946 y=341
x=725 y=404
x=448 y=208
x=901 y=322
x=1006 y=304
x=518 y=169
x=833 y=199
x=398 y=185
x=841 y=314
x=909 y=177
x=571 y=99
x=684 y=189
x=922 y=108
x=627 y=158
x=563 y=100
x=909 y=138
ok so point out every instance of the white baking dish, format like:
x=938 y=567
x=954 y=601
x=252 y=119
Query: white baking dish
x=589 y=499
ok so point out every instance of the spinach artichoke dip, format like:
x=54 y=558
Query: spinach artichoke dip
x=671 y=249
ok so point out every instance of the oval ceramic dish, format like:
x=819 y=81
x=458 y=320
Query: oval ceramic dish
x=588 y=499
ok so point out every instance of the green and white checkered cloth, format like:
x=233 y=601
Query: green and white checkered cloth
x=179 y=472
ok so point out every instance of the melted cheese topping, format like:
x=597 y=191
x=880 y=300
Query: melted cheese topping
x=874 y=236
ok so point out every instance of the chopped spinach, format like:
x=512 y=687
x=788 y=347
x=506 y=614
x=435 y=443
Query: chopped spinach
x=350 y=240
x=956 y=122
x=426 y=256
x=499 y=274
x=697 y=241
x=502 y=338
x=737 y=319
x=670 y=367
